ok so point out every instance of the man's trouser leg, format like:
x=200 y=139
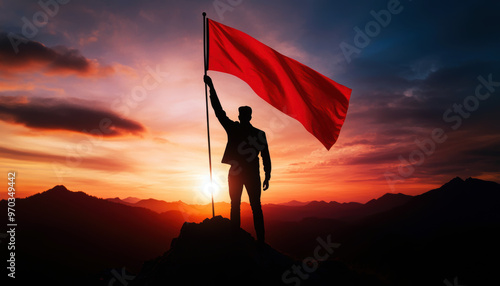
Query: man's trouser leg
x=252 y=185
x=235 y=189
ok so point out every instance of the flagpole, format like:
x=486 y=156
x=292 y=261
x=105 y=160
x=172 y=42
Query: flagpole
x=205 y=56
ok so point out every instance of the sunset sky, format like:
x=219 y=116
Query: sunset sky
x=68 y=72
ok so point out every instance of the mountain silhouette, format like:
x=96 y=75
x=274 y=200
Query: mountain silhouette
x=132 y=200
x=213 y=253
x=294 y=203
x=72 y=238
x=290 y=211
x=195 y=213
x=67 y=236
x=452 y=231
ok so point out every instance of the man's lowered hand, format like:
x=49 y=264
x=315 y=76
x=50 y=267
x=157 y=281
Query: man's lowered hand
x=265 y=185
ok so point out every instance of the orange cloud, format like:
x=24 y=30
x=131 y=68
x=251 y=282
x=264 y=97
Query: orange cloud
x=14 y=86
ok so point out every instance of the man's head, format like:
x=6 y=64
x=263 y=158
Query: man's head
x=245 y=114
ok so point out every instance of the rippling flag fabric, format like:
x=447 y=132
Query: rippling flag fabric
x=317 y=102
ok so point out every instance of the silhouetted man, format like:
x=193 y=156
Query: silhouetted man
x=244 y=143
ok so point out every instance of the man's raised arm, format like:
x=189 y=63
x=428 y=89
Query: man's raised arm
x=214 y=99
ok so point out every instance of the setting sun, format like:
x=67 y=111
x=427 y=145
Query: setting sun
x=210 y=189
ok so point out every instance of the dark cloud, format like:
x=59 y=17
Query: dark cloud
x=461 y=156
x=357 y=142
x=421 y=103
x=94 y=163
x=464 y=153
x=54 y=114
x=31 y=56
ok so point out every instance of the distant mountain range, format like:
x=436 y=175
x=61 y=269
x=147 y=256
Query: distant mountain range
x=66 y=237
x=290 y=211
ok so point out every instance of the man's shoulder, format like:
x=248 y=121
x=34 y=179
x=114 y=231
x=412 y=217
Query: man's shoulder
x=231 y=124
x=257 y=130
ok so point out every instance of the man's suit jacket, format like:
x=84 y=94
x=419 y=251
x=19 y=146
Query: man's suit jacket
x=244 y=142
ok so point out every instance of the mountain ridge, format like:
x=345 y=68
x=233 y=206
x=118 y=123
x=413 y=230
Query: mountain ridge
x=85 y=236
x=218 y=254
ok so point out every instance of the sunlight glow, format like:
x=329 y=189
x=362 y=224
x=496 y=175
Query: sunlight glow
x=210 y=188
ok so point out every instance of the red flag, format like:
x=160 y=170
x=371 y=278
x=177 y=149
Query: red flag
x=316 y=101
